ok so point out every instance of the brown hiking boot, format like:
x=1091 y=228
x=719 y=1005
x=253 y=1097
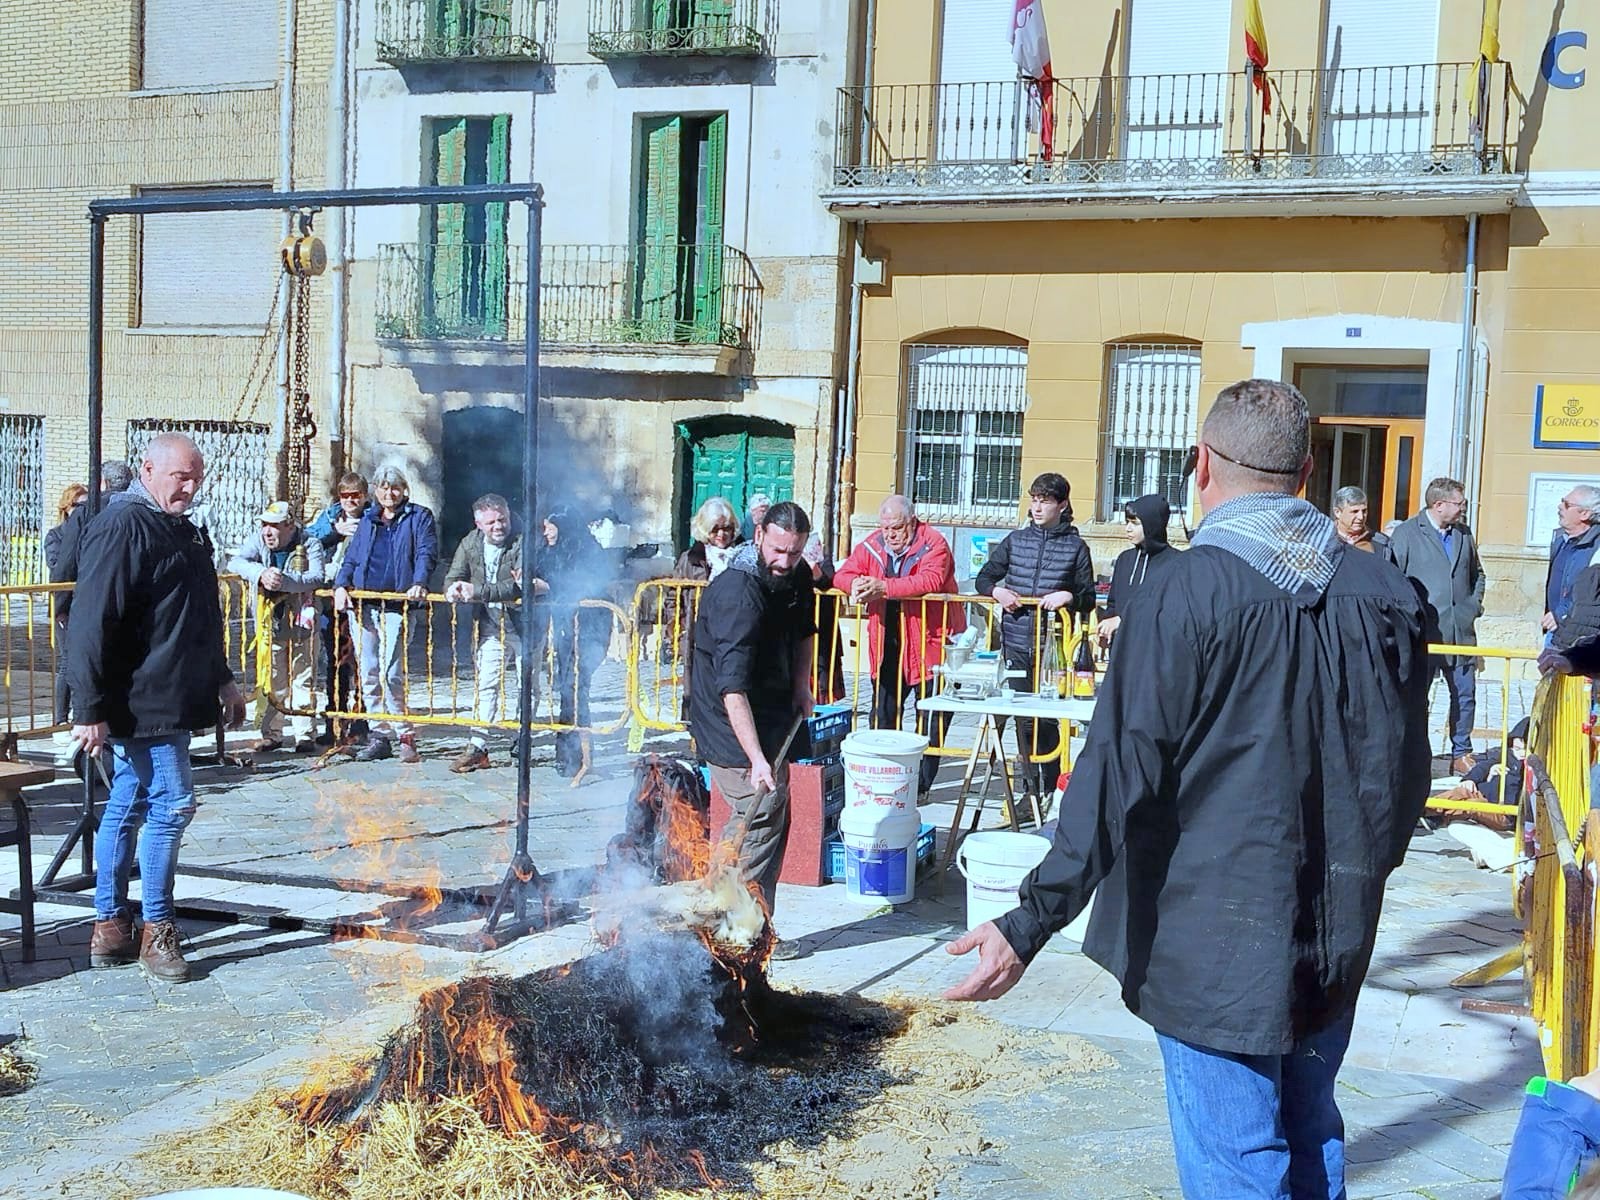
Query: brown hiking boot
x=111 y=944
x=159 y=954
x=473 y=758
x=407 y=751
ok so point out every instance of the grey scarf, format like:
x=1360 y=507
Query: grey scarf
x=1292 y=544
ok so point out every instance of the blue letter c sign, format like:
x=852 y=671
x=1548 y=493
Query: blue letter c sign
x=1550 y=64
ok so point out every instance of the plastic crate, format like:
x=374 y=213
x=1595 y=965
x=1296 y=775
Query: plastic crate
x=835 y=853
x=826 y=727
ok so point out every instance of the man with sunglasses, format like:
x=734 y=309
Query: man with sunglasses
x=1251 y=777
x=334 y=526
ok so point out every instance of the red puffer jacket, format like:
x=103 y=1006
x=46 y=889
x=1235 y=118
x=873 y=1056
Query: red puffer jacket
x=928 y=568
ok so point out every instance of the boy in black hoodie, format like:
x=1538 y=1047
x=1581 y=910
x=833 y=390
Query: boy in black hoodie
x=1147 y=530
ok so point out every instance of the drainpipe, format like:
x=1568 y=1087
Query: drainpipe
x=285 y=183
x=845 y=434
x=1466 y=448
x=338 y=265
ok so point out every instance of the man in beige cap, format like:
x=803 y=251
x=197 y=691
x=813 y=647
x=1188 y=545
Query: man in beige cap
x=286 y=566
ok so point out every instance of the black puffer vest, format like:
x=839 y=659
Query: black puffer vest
x=1043 y=561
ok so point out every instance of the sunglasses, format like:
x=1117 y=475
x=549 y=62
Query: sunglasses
x=352 y=495
x=1191 y=460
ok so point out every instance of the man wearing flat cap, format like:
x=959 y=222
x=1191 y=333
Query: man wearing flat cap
x=285 y=565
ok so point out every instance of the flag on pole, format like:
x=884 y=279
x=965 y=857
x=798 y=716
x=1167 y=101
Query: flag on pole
x=1030 y=49
x=1488 y=52
x=1255 y=51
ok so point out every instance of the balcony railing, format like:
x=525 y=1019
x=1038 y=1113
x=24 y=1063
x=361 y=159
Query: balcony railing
x=642 y=28
x=639 y=295
x=419 y=31
x=1186 y=130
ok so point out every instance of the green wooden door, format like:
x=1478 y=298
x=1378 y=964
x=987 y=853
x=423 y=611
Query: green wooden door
x=734 y=461
x=497 y=169
x=710 y=193
x=657 y=254
x=444 y=253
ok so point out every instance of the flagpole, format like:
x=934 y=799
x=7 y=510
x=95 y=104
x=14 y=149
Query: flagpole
x=1249 y=110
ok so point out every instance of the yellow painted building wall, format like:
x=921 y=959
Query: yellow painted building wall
x=1067 y=288
x=72 y=128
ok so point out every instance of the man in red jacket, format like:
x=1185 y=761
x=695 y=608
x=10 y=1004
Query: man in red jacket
x=890 y=572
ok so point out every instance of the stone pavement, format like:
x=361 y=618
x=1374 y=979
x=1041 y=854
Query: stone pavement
x=1430 y=1091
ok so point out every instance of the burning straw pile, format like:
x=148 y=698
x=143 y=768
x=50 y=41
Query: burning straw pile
x=662 y=1065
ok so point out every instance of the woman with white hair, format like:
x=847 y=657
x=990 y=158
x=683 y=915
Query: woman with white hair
x=394 y=549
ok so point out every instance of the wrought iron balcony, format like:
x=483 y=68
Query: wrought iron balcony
x=421 y=31
x=1180 y=136
x=645 y=28
x=669 y=294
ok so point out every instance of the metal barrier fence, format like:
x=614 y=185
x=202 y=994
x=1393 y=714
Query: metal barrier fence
x=31 y=646
x=1504 y=691
x=843 y=666
x=1557 y=893
x=437 y=662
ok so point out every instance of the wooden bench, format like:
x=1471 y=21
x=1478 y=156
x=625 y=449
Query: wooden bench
x=13 y=778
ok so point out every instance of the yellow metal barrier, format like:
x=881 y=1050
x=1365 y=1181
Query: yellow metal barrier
x=1510 y=671
x=31 y=645
x=442 y=650
x=661 y=655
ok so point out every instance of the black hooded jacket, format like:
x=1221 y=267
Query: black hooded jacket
x=1133 y=565
x=575 y=569
x=1035 y=561
x=144 y=641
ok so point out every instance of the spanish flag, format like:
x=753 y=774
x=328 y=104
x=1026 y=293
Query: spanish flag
x=1255 y=49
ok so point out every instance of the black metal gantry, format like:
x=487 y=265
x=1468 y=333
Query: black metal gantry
x=521 y=903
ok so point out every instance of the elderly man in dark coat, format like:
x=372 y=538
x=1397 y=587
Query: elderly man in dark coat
x=1435 y=549
x=1240 y=819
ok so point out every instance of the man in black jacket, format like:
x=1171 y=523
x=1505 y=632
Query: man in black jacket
x=754 y=641
x=1045 y=558
x=146 y=663
x=1241 y=815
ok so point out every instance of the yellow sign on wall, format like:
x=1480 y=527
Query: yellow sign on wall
x=1566 y=416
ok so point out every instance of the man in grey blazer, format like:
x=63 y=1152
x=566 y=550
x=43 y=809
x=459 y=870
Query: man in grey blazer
x=1436 y=550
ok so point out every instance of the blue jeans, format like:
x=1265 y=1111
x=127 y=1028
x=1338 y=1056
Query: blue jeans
x=151 y=785
x=1258 y=1127
x=1462 y=683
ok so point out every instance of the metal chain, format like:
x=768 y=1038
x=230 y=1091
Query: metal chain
x=302 y=429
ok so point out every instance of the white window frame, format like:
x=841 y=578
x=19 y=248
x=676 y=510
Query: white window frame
x=187 y=49
x=1151 y=405
x=256 y=263
x=974 y=381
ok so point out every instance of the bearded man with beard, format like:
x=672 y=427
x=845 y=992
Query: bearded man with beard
x=754 y=641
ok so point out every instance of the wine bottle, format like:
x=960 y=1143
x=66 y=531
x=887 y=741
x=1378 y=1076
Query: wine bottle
x=1083 y=667
x=1049 y=658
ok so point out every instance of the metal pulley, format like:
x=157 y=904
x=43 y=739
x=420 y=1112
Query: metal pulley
x=303 y=255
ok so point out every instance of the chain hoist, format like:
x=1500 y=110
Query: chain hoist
x=303 y=257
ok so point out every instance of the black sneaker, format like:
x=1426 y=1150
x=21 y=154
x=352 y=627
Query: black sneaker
x=376 y=748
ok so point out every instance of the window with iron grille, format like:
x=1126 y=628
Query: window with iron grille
x=964 y=413
x=1151 y=392
x=21 y=499
x=238 y=479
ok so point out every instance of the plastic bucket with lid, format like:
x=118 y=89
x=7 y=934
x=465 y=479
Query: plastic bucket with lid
x=879 y=824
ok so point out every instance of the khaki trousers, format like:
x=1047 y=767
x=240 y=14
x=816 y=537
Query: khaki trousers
x=765 y=824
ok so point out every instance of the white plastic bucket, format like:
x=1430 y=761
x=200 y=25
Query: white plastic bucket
x=994 y=864
x=880 y=823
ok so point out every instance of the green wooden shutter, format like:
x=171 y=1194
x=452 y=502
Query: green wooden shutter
x=770 y=466
x=656 y=255
x=712 y=20
x=497 y=170
x=445 y=258
x=707 y=317
x=491 y=26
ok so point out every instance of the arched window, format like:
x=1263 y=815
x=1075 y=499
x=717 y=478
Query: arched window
x=964 y=430
x=1151 y=393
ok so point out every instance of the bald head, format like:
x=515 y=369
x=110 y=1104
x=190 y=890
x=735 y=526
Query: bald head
x=171 y=471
